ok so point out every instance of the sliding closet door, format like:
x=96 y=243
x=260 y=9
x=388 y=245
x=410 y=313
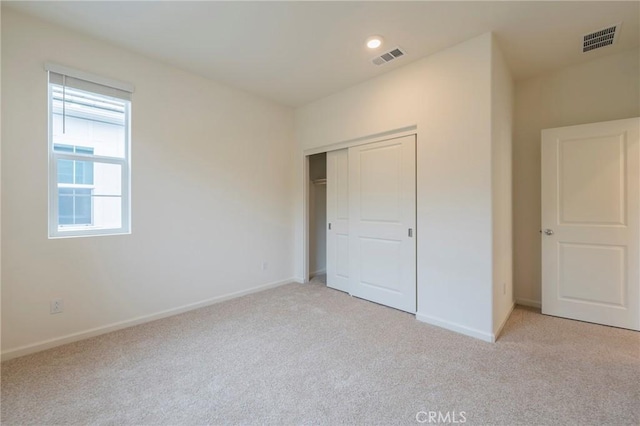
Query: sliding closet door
x=382 y=217
x=338 y=220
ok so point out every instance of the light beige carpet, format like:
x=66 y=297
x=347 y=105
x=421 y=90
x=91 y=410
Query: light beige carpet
x=306 y=354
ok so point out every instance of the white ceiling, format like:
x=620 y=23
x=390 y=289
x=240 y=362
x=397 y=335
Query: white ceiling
x=296 y=52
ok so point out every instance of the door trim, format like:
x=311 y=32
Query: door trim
x=363 y=140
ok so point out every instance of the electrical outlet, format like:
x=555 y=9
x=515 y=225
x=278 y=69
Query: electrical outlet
x=56 y=306
x=265 y=265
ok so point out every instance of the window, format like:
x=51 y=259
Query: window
x=89 y=169
x=75 y=188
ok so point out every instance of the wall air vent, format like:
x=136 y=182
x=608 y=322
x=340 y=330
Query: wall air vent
x=601 y=38
x=389 y=56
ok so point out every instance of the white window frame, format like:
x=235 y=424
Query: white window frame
x=55 y=231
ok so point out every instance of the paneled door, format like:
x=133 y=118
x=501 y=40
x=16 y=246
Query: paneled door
x=590 y=223
x=382 y=217
x=338 y=220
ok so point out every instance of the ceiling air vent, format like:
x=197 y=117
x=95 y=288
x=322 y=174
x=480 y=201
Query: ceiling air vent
x=601 y=38
x=389 y=56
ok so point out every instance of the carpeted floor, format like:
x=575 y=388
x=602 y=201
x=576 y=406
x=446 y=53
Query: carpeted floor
x=306 y=354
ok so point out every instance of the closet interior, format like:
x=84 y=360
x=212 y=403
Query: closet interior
x=318 y=216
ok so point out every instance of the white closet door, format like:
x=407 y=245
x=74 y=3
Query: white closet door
x=591 y=223
x=382 y=216
x=338 y=220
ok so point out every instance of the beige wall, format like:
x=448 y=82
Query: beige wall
x=604 y=89
x=501 y=156
x=0 y=174
x=212 y=171
x=447 y=97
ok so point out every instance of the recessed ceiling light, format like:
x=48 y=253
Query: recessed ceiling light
x=374 y=42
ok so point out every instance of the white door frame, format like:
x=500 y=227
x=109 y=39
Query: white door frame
x=306 y=179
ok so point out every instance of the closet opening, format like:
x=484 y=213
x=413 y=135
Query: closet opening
x=318 y=218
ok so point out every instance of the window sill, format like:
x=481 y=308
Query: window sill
x=87 y=233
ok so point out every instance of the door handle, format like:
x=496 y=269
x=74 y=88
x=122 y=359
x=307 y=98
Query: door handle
x=548 y=231
x=410 y=232
x=329 y=226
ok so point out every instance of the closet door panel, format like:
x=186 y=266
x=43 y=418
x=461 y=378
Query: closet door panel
x=382 y=217
x=338 y=220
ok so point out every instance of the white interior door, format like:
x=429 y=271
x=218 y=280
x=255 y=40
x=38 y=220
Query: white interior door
x=338 y=220
x=382 y=215
x=590 y=215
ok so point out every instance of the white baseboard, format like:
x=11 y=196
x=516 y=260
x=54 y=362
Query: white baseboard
x=462 y=329
x=529 y=302
x=498 y=330
x=74 y=337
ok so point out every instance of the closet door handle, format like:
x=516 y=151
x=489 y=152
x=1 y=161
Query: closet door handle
x=329 y=226
x=410 y=232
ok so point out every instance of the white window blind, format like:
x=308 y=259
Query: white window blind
x=80 y=80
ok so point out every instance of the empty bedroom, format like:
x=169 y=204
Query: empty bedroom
x=309 y=212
